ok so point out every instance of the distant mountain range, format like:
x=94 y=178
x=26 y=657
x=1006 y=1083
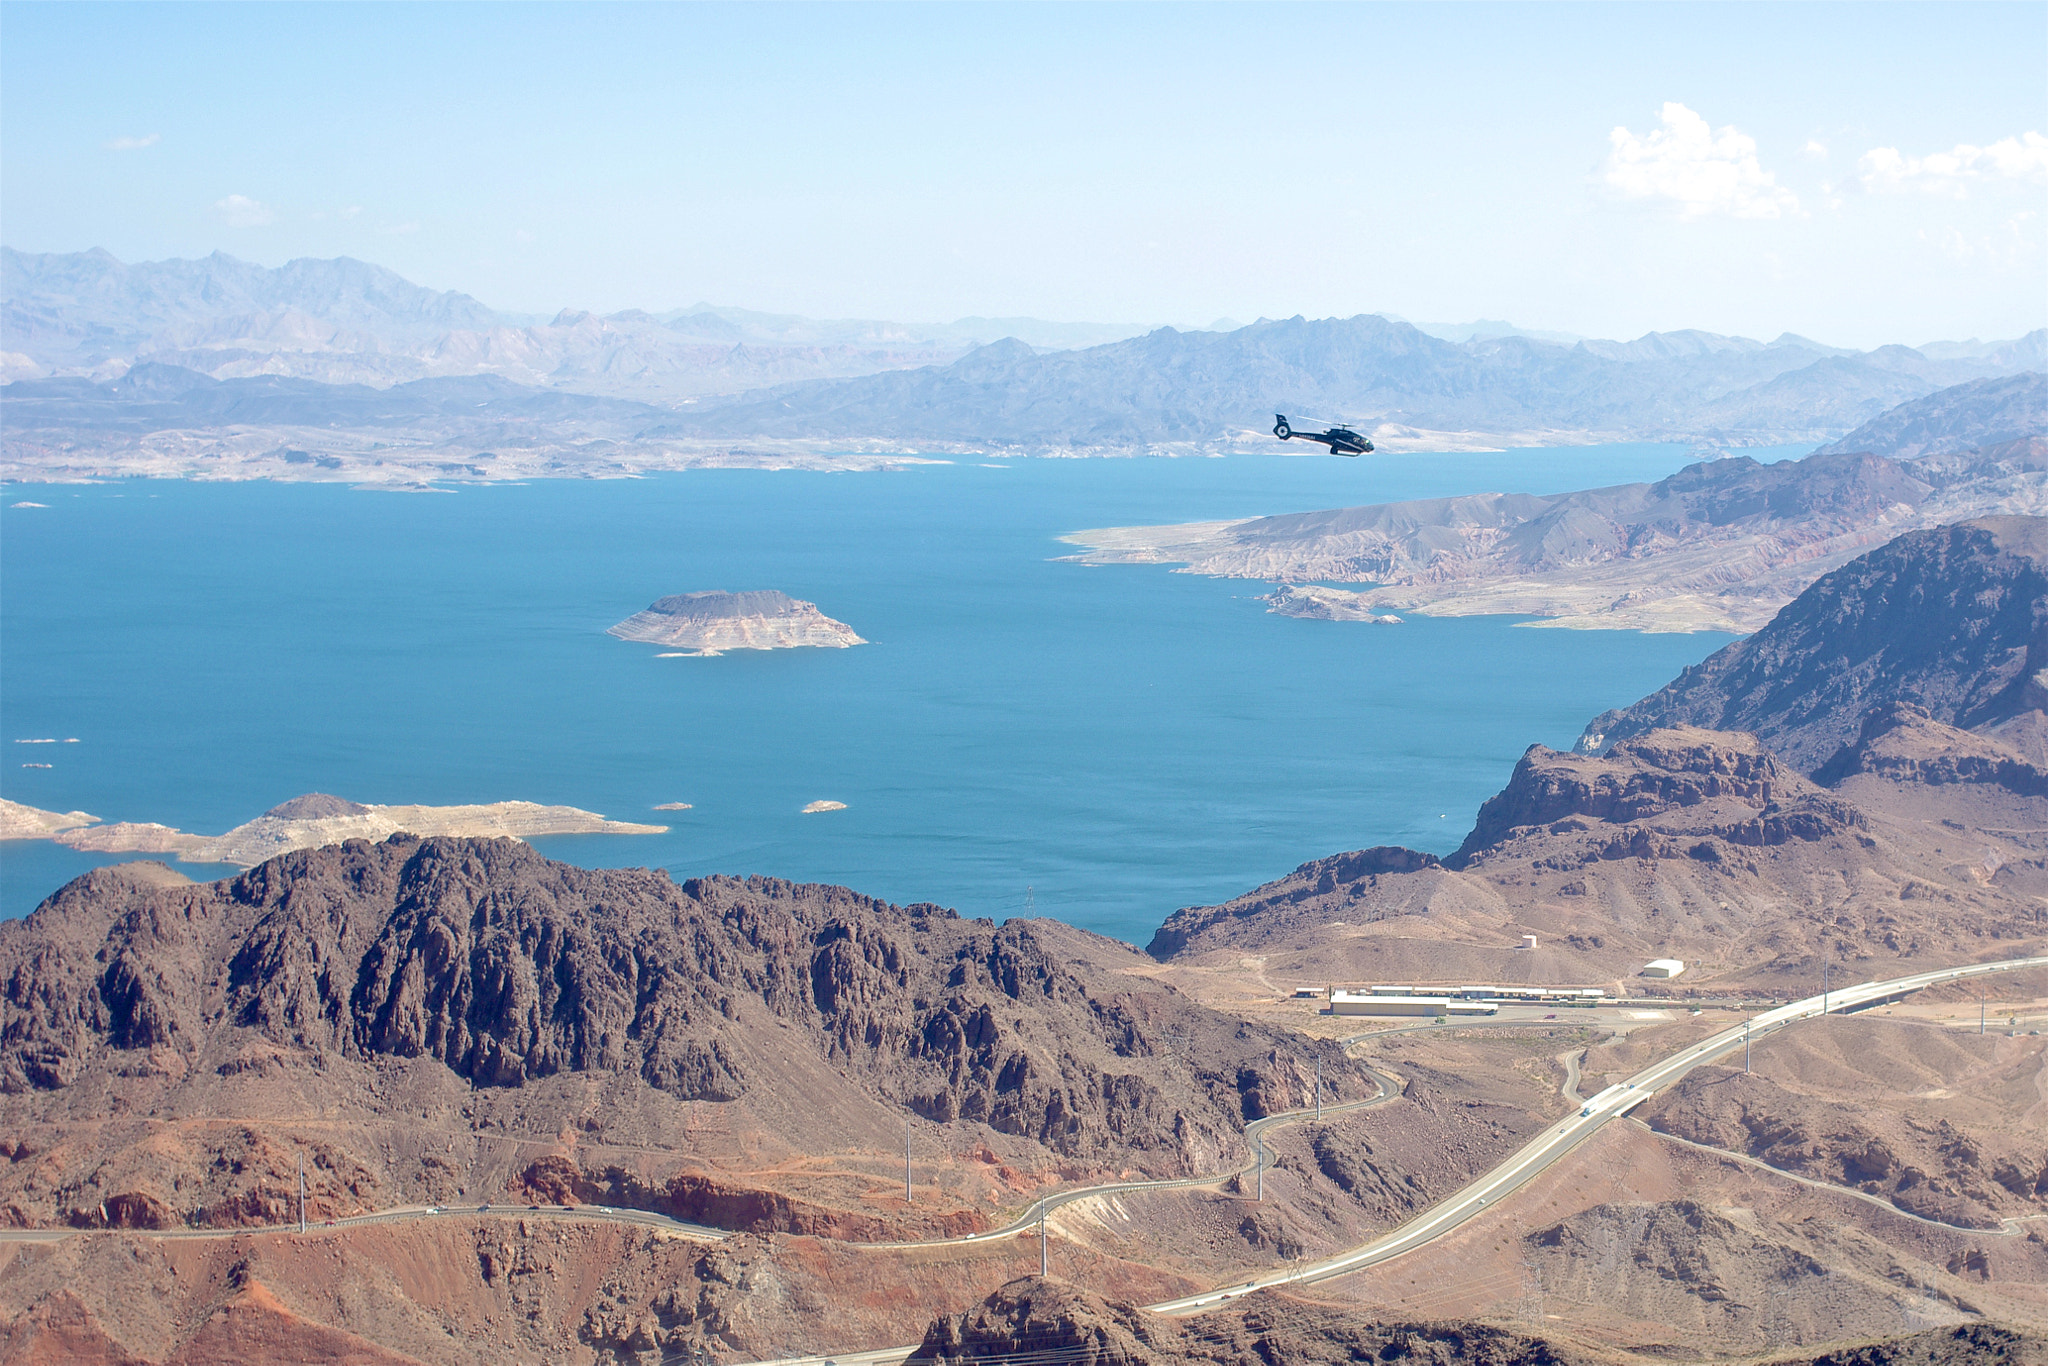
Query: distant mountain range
x=1206 y=389
x=345 y=321
x=704 y=378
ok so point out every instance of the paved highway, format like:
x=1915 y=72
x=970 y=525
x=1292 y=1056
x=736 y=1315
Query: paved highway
x=1560 y=1138
x=1535 y=1157
x=1532 y=1159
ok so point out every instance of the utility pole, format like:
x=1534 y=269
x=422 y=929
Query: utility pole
x=1319 y=1089
x=1745 y=1044
x=1259 y=1156
x=1824 y=981
x=906 y=1159
x=1980 y=1015
x=1041 y=1238
x=302 y=1192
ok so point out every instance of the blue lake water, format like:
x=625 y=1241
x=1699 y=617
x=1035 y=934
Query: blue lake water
x=1120 y=741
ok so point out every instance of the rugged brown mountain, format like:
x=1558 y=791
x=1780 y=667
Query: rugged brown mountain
x=427 y=995
x=1683 y=843
x=1953 y=620
x=1909 y=685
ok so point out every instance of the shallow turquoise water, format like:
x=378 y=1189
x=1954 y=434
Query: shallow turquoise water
x=1120 y=741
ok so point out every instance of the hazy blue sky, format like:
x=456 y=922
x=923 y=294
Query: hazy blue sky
x=1857 y=173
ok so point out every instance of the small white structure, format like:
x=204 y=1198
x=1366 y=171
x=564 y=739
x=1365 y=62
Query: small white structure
x=1365 y=1003
x=1662 y=967
x=1528 y=942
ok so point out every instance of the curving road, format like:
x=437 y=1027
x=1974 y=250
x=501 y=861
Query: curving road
x=1535 y=1157
x=1532 y=1159
x=1540 y=1153
x=1390 y=1089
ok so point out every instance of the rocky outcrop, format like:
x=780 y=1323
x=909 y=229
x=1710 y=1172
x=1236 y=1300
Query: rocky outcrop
x=510 y=969
x=712 y=623
x=1039 y=1320
x=1665 y=794
x=1953 y=620
x=700 y=1199
x=1311 y=883
x=1903 y=744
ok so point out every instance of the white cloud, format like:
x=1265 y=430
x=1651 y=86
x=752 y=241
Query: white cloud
x=351 y=211
x=1703 y=170
x=1887 y=170
x=1816 y=149
x=133 y=144
x=240 y=211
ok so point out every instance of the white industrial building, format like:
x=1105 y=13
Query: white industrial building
x=1372 y=1003
x=1588 y=996
x=1663 y=967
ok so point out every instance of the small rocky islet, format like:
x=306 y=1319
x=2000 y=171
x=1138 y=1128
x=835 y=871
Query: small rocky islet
x=710 y=623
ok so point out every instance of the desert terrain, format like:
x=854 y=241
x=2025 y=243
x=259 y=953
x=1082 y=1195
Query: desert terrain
x=559 y=1114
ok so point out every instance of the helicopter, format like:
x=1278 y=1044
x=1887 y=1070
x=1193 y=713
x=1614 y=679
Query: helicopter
x=1340 y=439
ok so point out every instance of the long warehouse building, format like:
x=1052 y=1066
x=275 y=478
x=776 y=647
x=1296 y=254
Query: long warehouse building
x=1366 y=1003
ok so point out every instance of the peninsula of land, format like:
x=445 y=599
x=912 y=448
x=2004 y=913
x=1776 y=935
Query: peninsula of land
x=1719 y=546
x=712 y=623
x=306 y=822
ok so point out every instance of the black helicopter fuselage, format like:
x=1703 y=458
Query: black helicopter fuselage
x=1340 y=439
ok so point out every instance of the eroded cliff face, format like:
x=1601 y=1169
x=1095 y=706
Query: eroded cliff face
x=1687 y=843
x=794 y=1013
x=1647 y=797
x=1952 y=620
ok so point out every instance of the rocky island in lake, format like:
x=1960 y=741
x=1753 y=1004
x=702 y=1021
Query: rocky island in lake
x=712 y=623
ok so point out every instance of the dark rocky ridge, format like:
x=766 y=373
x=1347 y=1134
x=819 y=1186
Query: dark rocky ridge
x=1902 y=743
x=1661 y=788
x=1953 y=620
x=510 y=969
